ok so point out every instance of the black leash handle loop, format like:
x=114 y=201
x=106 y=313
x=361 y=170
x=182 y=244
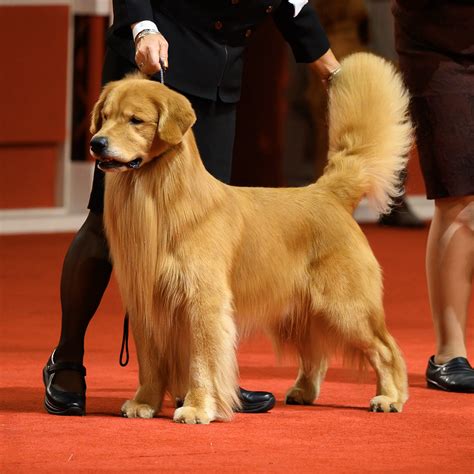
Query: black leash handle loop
x=124 y=347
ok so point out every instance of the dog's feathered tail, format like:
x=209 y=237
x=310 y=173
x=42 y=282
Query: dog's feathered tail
x=370 y=133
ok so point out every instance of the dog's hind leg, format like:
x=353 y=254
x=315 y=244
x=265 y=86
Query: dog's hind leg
x=213 y=382
x=387 y=361
x=152 y=377
x=364 y=333
x=312 y=370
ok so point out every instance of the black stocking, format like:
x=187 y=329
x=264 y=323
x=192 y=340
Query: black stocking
x=85 y=276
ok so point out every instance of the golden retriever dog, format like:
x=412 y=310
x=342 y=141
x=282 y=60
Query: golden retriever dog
x=195 y=259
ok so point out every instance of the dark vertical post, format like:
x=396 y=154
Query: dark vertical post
x=261 y=113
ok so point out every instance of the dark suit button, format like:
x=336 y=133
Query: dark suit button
x=235 y=2
x=218 y=25
x=269 y=9
x=248 y=33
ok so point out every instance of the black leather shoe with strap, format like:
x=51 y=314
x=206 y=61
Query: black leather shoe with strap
x=60 y=402
x=456 y=375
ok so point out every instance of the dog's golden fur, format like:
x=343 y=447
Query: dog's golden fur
x=195 y=258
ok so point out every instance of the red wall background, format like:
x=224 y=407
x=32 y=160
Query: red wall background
x=33 y=102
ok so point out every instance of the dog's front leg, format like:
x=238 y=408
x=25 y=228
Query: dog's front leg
x=152 y=376
x=213 y=383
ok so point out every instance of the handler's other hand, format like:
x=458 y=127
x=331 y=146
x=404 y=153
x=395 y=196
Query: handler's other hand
x=148 y=52
x=325 y=67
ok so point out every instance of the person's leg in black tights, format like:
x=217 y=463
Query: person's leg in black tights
x=85 y=275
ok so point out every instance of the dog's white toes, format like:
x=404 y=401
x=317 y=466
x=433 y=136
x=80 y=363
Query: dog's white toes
x=132 y=409
x=383 y=404
x=191 y=416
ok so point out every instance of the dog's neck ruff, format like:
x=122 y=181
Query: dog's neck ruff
x=161 y=154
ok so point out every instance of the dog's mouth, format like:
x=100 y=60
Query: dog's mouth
x=110 y=164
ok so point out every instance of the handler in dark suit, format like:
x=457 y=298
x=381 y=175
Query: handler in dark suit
x=198 y=45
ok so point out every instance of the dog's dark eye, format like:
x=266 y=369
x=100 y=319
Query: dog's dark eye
x=135 y=121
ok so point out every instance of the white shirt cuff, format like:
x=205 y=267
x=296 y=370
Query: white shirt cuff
x=143 y=25
x=298 y=5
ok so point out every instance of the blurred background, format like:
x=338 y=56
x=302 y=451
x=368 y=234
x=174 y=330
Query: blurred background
x=50 y=79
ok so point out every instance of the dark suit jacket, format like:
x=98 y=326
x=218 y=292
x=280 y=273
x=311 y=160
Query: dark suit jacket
x=207 y=38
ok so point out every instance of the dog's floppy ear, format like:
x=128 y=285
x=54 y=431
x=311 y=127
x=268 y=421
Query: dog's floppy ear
x=96 y=116
x=176 y=117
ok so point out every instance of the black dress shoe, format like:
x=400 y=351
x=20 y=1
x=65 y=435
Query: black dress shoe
x=60 y=402
x=401 y=215
x=252 y=402
x=256 y=402
x=456 y=375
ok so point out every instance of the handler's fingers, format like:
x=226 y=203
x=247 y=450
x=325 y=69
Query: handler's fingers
x=164 y=53
x=153 y=61
x=140 y=59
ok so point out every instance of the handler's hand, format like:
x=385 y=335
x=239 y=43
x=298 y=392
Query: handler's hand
x=148 y=52
x=325 y=66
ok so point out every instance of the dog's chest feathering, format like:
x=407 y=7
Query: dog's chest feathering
x=140 y=241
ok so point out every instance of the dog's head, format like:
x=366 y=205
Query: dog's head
x=135 y=120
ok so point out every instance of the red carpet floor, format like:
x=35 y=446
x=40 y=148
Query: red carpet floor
x=433 y=434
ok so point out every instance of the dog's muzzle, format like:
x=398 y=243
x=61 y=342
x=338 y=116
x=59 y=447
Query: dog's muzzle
x=99 y=149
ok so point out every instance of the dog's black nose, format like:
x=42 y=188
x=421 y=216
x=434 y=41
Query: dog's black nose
x=99 y=144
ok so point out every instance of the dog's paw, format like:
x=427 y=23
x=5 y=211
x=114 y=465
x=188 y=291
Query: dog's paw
x=297 y=396
x=384 y=404
x=191 y=416
x=133 y=409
